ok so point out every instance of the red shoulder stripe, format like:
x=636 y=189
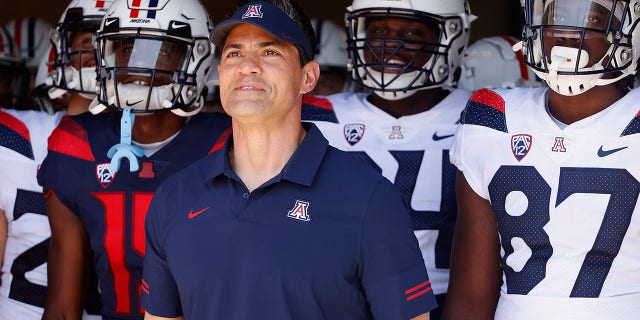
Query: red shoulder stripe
x=323 y=103
x=489 y=99
x=15 y=125
x=71 y=138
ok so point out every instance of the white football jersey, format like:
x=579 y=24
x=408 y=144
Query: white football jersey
x=22 y=149
x=565 y=201
x=412 y=152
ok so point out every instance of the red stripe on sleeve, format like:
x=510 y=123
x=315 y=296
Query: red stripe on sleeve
x=71 y=139
x=14 y=124
x=489 y=98
x=323 y=103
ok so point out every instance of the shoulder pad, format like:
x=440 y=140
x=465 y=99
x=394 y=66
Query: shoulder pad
x=485 y=108
x=14 y=135
x=318 y=109
x=71 y=139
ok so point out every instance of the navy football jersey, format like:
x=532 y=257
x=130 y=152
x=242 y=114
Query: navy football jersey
x=113 y=205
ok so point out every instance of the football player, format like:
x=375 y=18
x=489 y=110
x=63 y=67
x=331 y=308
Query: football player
x=154 y=60
x=72 y=78
x=407 y=53
x=24 y=228
x=32 y=36
x=548 y=183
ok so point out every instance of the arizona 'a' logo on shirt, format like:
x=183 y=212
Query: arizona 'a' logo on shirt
x=558 y=145
x=300 y=211
x=104 y=174
x=520 y=145
x=353 y=133
x=396 y=133
x=254 y=11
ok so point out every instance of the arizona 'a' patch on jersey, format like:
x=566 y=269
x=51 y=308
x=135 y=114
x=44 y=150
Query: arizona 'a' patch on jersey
x=412 y=152
x=113 y=205
x=23 y=145
x=566 y=203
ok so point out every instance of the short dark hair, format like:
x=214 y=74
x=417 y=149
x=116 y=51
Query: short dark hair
x=294 y=11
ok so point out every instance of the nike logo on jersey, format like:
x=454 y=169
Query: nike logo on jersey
x=604 y=153
x=133 y=103
x=436 y=137
x=197 y=213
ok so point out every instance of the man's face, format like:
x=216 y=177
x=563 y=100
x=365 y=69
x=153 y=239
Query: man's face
x=140 y=56
x=398 y=42
x=82 y=52
x=260 y=76
x=581 y=14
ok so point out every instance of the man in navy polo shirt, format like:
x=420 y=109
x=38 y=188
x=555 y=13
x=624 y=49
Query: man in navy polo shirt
x=276 y=224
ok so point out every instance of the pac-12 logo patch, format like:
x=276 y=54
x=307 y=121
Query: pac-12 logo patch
x=520 y=145
x=254 y=11
x=300 y=211
x=104 y=174
x=353 y=133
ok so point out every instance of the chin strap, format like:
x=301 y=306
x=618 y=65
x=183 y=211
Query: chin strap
x=125 y=149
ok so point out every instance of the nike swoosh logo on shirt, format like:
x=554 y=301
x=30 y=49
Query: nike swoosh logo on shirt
x=604 y=153
x=197 y=213
x=436 y=137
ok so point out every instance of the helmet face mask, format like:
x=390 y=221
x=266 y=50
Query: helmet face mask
x=577 y=45
x=72 y=41
x=424 y=53
x=155 y=64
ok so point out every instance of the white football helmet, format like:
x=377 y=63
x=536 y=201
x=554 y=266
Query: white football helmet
x=331 y=52
x=491 y=63
x=80 y=16
x=331 y=45
x=32 y=36
x=450 y=18
x=154 y=57
x=577 y=45
x=14 y=78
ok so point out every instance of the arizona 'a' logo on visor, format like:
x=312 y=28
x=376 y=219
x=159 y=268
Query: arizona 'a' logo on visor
x=254 y=11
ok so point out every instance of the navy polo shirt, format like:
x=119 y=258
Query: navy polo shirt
x=327 y=238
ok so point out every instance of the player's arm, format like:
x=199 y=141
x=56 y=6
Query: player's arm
x=474 y=285
x=4 y=233
x=148 y=316
x=67 y=263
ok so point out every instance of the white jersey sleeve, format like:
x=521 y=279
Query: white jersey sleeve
x=412 y=152
x=565 y=202
x=23 y=146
